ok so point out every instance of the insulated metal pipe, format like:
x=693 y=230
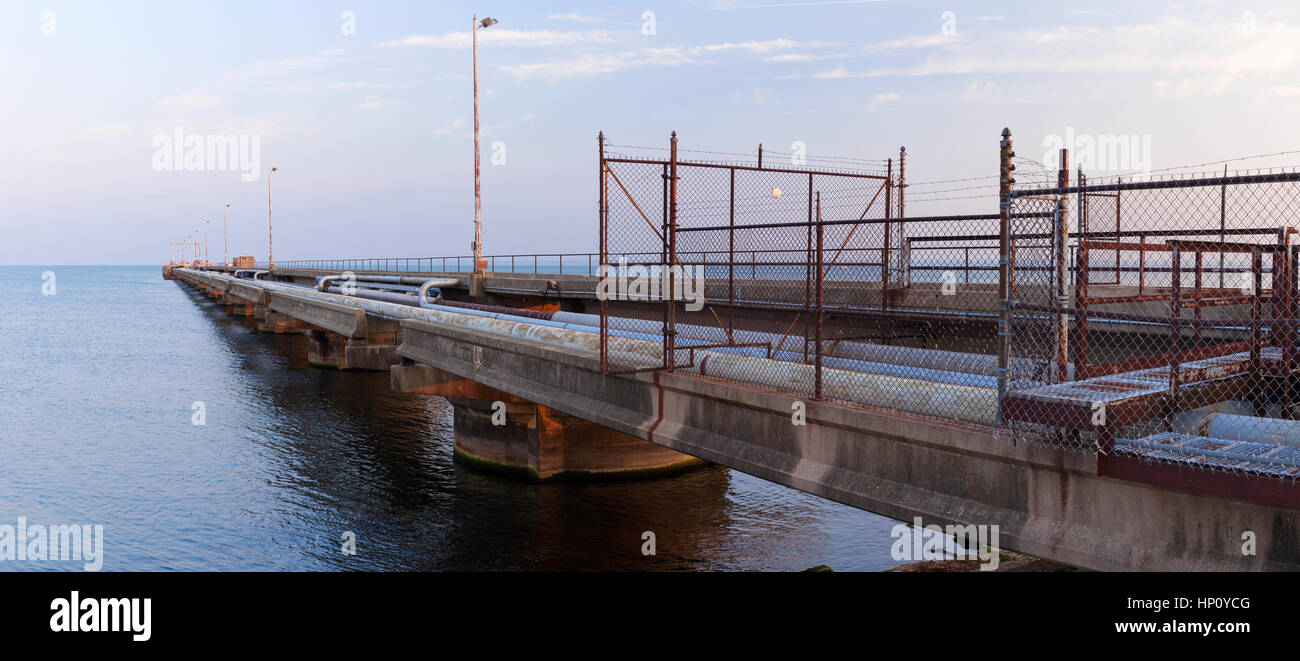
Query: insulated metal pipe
x=948 y=361
x=912 y=395
x=1233 y=421
x=323 y=282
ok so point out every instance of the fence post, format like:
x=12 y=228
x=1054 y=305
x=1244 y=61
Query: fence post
x=817 y=370
x=1283 y=288
x=1175 y=312
x=1005 y=168
x=1223 y=220
x=731 y=260
x=670 y=327
x=604 y=229
x=808 y=266
x=884 y=253
x=1081 y=285
x=1062 y=271
x=904 y=252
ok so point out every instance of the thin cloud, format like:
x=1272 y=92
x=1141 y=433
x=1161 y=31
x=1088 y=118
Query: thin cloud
x=883 y=47
x=1174 y=46
x=349 y=86
x=577 y=18
x=760 y=46
x=728 y=6
x=192 y=100
x=878 y=100
x=452 y=128
x=503 y=37
x=290 y=65
x=374 y=103
x=594 y=65
x=107 y=130
x=913 y=42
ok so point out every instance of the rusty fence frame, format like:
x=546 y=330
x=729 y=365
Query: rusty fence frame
x=890 y=251
x=670 y=228
x=1187 y=360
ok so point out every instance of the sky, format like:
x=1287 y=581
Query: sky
x=366 y=108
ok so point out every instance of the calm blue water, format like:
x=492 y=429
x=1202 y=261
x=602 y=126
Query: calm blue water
x=96 y=387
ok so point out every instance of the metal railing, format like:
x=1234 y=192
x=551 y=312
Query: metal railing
x=536 y=263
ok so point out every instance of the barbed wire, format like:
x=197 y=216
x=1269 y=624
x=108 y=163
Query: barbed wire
x=1031 y=173
x=1207 y=163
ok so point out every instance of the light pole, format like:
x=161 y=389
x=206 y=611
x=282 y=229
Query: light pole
x=225 y=238
x=478 y=200
x=207 y=256
x=270 y=235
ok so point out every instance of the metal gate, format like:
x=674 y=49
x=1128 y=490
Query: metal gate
x=735 y=256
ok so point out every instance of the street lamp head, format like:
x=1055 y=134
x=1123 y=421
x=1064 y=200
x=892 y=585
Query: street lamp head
x=488 y=22
x=272 y=170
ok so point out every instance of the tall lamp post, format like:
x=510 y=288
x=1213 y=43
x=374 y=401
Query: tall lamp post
x=270 y=235
x=207 y=256
x=478 y=200
x=225 y=238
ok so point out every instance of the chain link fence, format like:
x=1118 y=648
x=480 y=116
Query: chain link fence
x=1171 y=335
x=1150 y=318
x=807 y=281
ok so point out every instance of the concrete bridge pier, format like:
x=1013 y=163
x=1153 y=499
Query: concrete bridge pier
x=503 y=433
x=375 y=349
x=275 y=322
x=245 y=307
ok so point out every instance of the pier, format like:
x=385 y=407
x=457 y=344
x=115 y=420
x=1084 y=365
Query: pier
x=1114 y=396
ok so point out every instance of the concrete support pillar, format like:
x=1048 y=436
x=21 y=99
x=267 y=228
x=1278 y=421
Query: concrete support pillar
x=377 y=352
x=500 y=432
x=378 y=349
x=274 y=322
x=325 y=349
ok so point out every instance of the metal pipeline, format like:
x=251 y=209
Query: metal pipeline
x=254 y=273
x=409 y=280
x=954 y=365
x=906 y=394
x=435 y=285
x=954 y=362
x=1234 y=421
x=376 y=295
x=532 y=314
x=920 y=367
x=573 y=321
x=323 y=282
